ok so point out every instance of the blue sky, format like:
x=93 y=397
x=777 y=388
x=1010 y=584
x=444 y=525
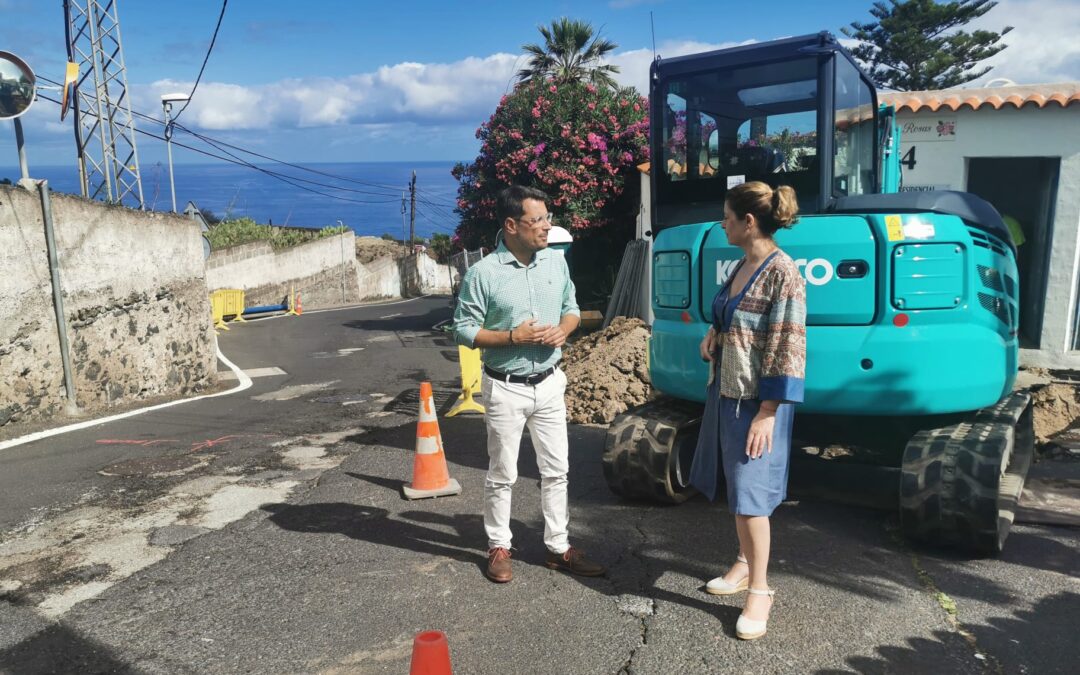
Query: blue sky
x=330 y=80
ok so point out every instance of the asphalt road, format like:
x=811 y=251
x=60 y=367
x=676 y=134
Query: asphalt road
x=265 y=532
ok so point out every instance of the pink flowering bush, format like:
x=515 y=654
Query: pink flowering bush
x=577 y=142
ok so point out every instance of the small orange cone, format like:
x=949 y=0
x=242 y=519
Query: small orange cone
x=299 y=305
x=430 y=476
x=430 y=654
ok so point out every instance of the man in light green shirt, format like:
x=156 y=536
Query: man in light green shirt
x=518 y=306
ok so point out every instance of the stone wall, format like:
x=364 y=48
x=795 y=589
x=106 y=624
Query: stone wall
x=135 y=302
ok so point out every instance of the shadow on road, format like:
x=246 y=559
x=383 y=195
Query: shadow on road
x=59 y=649
x=406 y=322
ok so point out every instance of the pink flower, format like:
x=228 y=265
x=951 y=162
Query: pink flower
x=536 y=113
x=553 y=89
x=565 y=132
x=603 y=157
x=532 y=166
x=591 y=106
x=627 y=157
x=591 y=88
x=539 y=149
x=637 y=108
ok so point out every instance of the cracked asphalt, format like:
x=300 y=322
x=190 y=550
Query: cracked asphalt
x=288 y=548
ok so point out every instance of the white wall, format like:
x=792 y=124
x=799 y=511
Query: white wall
x=256 y=264
x=1029 y=132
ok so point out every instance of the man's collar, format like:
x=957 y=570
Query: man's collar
x=506 y=257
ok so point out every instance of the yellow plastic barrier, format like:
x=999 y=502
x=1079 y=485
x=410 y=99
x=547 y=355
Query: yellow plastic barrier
x=217 y=309
x=471 y=371
x=234 y=304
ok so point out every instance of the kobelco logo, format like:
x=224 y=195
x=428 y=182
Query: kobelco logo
x=817 y=271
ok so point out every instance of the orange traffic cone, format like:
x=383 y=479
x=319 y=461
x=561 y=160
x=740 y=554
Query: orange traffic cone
x=430 y=654
x=299 y=305
x=430 y=476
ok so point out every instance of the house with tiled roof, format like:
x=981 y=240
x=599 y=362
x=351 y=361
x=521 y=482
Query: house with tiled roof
x=1018 y=147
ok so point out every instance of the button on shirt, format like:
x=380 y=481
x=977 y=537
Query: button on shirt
x=499 y=293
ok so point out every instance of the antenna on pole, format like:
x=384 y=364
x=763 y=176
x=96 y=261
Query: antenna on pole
x=652 y=27
x=104 y=126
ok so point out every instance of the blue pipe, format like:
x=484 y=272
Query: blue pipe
x=266 y=308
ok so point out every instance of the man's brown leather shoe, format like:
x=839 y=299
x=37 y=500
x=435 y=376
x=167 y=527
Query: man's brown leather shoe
x=575 y=562
x=498 y=569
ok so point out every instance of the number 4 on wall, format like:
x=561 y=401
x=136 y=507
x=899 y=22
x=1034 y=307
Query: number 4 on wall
x=908 y=159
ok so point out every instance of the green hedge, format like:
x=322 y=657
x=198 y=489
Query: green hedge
x=238 y=231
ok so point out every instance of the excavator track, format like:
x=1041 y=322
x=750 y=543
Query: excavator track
x=960 y=484
x=648 y=450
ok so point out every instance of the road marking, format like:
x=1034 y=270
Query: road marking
x=391 y=316
x=253 y=373
x=350 y=350
x=244 y=383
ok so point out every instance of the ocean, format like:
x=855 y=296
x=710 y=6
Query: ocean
x=366 y=196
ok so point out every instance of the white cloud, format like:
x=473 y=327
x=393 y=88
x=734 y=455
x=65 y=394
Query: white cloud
x=1043 y=45
x=466 y=90
x=634 y=64
x=463 y=92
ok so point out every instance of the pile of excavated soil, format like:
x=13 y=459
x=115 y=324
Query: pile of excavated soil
x=606 y=372
x=1056 y=407
x=371 y=248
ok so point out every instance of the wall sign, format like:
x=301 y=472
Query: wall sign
x=928 y=128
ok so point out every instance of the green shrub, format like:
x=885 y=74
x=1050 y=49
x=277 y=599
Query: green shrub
x=236 y=231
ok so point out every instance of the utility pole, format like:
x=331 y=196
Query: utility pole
x=412 y=209
x=404 y=243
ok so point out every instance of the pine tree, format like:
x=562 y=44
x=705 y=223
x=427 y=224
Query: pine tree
x=919 y=44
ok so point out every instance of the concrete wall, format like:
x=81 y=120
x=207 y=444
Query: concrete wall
x=1029 y=132
x=380 y=278
x=423 y=275
x=317 y=269
x=134 y=295
x=321 y=271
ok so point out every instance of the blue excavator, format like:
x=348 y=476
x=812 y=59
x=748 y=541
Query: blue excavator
x=912 y=297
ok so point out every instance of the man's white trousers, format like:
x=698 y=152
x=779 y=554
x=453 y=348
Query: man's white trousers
x=508 y=408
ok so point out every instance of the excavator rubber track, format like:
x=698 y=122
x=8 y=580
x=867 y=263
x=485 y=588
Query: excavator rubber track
x=648 y=450
x=960 y=484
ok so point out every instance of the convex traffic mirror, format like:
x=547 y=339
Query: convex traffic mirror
x=16 y=86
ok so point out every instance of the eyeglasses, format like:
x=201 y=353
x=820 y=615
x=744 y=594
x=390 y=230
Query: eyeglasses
x=535 y=222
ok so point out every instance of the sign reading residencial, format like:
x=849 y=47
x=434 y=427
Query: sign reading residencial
x=925 y=188
x=927 y=128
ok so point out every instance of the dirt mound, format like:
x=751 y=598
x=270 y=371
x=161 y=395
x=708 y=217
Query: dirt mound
x=371 y=248
x=606 y=372
x=1056 y=407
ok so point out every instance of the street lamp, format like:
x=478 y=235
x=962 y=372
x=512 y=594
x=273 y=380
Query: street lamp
x=167 y=101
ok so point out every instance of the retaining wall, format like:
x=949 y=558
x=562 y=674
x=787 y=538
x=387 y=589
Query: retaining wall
x=316 y=270
x=135 y=302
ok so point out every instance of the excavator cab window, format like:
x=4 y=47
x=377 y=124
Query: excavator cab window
x=724 y=127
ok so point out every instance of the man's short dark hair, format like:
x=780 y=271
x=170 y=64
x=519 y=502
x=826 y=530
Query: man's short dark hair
x=509 y=202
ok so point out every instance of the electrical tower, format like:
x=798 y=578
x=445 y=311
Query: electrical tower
x=104 y=128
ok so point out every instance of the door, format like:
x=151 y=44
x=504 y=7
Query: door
x=1024 y=190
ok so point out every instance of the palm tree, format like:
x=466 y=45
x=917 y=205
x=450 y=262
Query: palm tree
x=570 y=53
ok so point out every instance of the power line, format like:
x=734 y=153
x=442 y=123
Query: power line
x=392 y=190
x=213 y=39
x=237 y=162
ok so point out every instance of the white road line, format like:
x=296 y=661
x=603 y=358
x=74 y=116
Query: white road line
x=391 y=316
x=244 y=383
x=253 y=373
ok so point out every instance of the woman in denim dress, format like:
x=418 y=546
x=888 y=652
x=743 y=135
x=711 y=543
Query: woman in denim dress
x=757 y=349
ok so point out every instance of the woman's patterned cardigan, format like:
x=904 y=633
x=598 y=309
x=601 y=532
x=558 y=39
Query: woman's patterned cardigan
x=763 y=353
